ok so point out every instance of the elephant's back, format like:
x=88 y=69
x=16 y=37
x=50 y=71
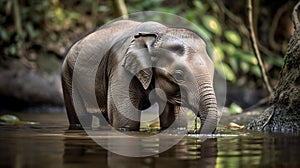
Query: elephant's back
x=123 y=29
x=99 y=42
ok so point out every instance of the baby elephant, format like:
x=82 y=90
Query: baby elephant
x=126 y=66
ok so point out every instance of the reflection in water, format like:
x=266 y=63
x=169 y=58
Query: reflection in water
x=188 y=152
x=270 y=150
x=21 y=146
x=80 y=149
x=52 y=146
x=239 y=151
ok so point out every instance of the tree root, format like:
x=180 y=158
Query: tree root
x=268 y=120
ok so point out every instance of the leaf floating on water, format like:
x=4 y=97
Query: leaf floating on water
x=234 y=126
x=14 y=120
x=9 y=118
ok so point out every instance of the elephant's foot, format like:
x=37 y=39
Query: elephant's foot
x=84 y=122
x=127 y=129
x=75 y=127
x=128 y=126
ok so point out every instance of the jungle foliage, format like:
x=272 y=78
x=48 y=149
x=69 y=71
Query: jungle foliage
x=34 y=30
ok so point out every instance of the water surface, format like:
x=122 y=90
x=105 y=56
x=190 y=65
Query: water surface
x=50 y=144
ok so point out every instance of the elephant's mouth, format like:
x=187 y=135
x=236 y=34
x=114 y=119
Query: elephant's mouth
x=176 y=101
x=179 y=100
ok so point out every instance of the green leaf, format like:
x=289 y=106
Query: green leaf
x=229 y=49
x=212 y=24
x=245 y=67
x=233 y=37
x=30 y=29
x=4 y=35
x=277 y=61
x=191 y=16
x=217 y=54
x=9 y=118
x=12 y=49
x=103 y=8
x=200 y=6
x=224 y=69
x=233 y=61
x=203 y=32
x=235 y=109
x=12 y=119
x=74 y=15
x=249 y=58
x=256 y=71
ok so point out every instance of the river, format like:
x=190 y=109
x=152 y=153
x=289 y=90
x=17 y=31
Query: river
x=50 y=144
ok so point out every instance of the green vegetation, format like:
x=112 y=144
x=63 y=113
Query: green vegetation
x=48 y=27
x=232 y=51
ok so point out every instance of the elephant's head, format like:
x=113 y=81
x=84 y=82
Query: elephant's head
x=181 y=68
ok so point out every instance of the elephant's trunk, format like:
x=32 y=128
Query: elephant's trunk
x=208 y=109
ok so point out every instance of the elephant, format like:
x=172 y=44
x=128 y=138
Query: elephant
x=142 y=62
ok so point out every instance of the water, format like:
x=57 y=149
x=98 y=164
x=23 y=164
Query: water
x=49 y=144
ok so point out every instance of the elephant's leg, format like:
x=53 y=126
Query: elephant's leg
x=80 y=118
x=101 y=96
x=84 y=117
x=74 y=122
x=102 y=114
x=167 y=117
x=173 y=116
x=103 y=118
x=120 y=120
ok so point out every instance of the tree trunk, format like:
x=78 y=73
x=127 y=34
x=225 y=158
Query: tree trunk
x=120 y=8
x=283 y=115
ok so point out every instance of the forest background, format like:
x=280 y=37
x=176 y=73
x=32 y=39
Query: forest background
x=34 y=36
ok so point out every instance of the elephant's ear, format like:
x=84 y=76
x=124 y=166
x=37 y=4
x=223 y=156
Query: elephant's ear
x=137 y=59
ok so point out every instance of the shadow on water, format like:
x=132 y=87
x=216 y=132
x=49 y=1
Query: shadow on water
x=50 y=145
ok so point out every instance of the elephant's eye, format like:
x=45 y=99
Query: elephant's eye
x=179 y=49
x=178 y=75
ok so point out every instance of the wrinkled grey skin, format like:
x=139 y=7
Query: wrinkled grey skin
x=180 y=65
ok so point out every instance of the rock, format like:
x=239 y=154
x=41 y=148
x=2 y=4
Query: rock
x=22 y=87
